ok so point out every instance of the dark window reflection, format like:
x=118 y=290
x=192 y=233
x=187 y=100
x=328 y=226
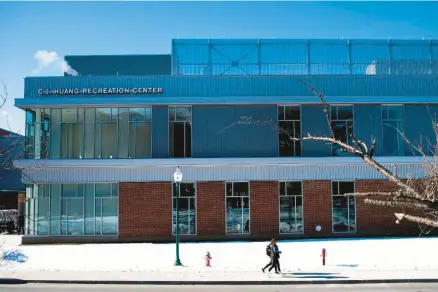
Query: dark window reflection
x=187 y=208
x=291 y=207
x=344 y=207
x=237 y=204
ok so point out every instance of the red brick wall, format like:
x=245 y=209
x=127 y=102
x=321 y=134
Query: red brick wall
x=211 y=208
x=317 y=207
x=264 y=208
x=145 y=209
x=373 y=219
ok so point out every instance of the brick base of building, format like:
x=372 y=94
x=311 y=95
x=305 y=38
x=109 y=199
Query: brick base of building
x=145 y=212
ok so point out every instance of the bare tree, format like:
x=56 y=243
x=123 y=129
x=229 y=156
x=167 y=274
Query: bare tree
x=417 y=199
x=7 y=146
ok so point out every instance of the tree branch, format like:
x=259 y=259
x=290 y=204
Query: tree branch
x=416 y=219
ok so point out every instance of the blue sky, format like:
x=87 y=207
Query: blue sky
x=61 y=28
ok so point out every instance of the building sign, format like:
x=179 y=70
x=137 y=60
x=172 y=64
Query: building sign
x=102 y=91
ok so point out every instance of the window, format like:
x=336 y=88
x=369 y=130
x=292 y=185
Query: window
x=392 y=124
x=106 y=208
x=180 y=131
x=106 y=133
x=341 y=119
x=140 y=132
x=344 y=207
x=237 y=216
x=37 y=133
x=289 y=126
x=187 y=208
x=72 y=130
x=291 y=207
x=72 y=209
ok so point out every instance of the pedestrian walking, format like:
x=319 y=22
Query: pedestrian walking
x=274 y=254
x=275 y=258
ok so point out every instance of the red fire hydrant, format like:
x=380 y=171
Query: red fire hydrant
x=323 y=255
x=207 y=259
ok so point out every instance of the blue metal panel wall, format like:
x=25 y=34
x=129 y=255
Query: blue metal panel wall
x=314 y=122
x=242 y=87
x=160 y=132
x=213 y=135
x=368 y=124
x=10 y=177
x=120 y=65
x=418 y=126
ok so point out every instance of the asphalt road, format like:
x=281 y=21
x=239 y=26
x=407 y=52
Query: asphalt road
x=299 y=288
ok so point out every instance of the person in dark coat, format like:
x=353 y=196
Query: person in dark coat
x=274 y=255
x=20 y=223
x=275 y=259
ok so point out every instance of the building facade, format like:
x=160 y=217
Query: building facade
x=11 y=187
x=104 y=140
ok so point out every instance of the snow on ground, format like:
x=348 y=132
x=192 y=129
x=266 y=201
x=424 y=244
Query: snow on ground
x=414 y=254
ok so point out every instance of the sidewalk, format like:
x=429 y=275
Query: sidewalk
x=218 y=278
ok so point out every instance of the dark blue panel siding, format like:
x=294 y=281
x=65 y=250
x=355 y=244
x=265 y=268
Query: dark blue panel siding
x=242 y=87
x=121 y=65
x=215 y=136
x=160 y=132
x=418 y=126
x=313 y=121
x=367 y=125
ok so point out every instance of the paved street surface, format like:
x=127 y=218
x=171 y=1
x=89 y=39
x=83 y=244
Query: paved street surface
x=188 y=288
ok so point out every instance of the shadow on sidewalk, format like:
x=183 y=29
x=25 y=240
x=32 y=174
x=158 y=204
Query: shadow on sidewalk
x=12 y=281
x=313 y=276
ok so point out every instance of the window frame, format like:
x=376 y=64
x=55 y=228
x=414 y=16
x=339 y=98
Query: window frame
x=402 y=122
x=286 y=120
x=183 y=122
x=99 y=124
x=150 y=122
x=61 y=123
x=348 y=209
x=195 y=198
x=101 y=209
x=31 y=227
x=249 y=206
x=279 y=202
x=352 y=120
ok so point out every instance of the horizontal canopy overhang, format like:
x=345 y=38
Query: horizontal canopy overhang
x=116 y=101
x=213 y=169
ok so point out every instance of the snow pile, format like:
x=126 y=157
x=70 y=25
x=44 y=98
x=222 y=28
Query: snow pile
x=417 y=254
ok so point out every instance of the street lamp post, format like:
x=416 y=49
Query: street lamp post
x=177 y=177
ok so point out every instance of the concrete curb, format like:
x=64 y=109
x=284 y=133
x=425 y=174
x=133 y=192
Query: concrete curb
x=217 y=283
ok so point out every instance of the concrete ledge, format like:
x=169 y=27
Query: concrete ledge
x=221 y=283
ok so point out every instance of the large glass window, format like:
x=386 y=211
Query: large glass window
x=106 y=208
x=289 y=126
x=72 y=131
x=291 y=207
x=392 y=126
x=187 y=208
x=37 y=133
x=106 y=133
x=344 y=206
x=140 y=132
x=238 y=215
x=72 y=209
x=180 y=131
x=341 y=119
x=89 y=133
